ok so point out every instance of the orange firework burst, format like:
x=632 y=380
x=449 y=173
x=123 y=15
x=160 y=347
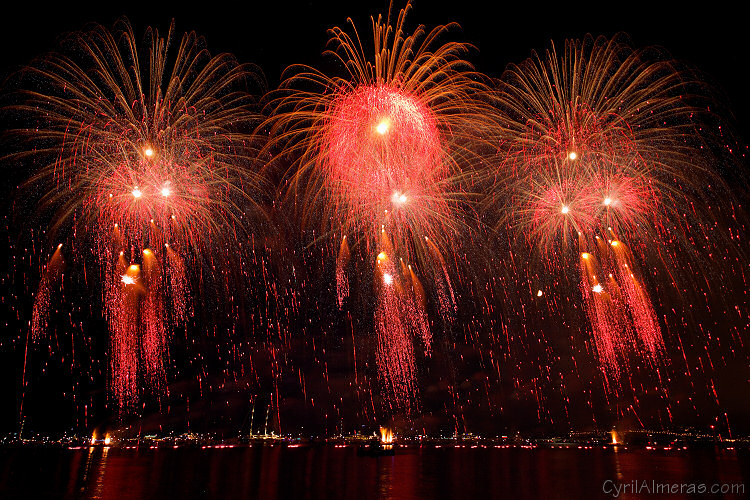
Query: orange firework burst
x=600 y=146
x=150 y=162
x=381 y=152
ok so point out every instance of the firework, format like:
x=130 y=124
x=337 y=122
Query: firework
x=381 y=156
x=395 y=350
x=50 y=276
x=147 y=166
x=602 y=163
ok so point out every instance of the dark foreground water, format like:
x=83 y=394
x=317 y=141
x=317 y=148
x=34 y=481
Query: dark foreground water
x=337 y=472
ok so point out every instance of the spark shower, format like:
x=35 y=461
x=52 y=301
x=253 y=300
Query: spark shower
x=574 y=212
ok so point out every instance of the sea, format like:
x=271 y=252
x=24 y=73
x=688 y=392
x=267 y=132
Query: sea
x=327 y=471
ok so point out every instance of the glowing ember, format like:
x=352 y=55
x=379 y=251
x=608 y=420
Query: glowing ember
x=398 y=198
x=383 y=126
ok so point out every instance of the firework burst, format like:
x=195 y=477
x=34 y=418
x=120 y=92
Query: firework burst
x=604 y=173
x=145 y=166
x=381 y=156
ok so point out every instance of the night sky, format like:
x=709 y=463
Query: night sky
x=276 y=34
x=273 y=36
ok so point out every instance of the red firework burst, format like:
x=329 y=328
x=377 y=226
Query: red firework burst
x=149 y=168
x=595 y=152
x=382 y=157
x=385 y=157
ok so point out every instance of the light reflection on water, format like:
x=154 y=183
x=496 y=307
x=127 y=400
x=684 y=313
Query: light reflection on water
x=311 y=472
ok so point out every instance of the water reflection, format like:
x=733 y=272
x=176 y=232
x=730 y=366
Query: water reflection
x=96 y=484
x=337 y=472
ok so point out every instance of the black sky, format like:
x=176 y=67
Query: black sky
x=274 y=34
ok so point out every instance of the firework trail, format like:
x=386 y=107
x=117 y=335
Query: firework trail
x=395 y=350
x=50 y=276
x=342 y=279
x=605 y=172
x=641 y=309
x=147 y=167
x=381 y=155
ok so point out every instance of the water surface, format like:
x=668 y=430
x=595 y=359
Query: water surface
x=329 y=472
